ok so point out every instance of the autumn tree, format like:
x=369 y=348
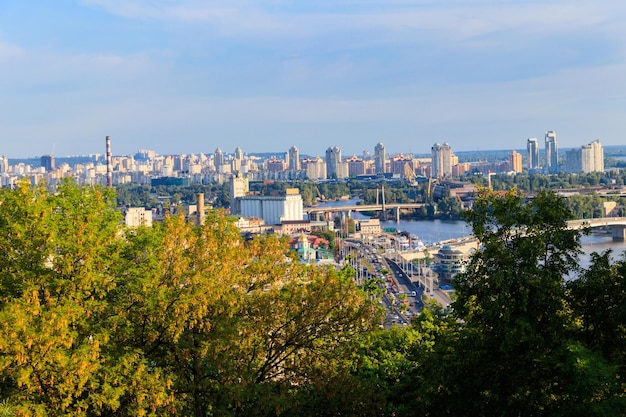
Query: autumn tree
x=58 y=255
x=99 y=319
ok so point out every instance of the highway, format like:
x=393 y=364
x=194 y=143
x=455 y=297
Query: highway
x=402 y=298
x=413 y=292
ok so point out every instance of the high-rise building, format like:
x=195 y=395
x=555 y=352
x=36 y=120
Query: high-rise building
x=573 y=161
x=47 y=162
x=532 y=145
x=552 y=153
x=275 y=165
x=294 y=159
x=237 y=160
x=588 y=158
x=333 y=159
x=315 y=168
x=4 y=164
x=239 y=187
x=356 y=166
x=397 y=164
x=238 y=153
x=441 y=160
x=145 y=155
x=218 y=159
x=379 y=158
x=592 y=157
x=515 y=161
x=342 y=170
x=138 y=216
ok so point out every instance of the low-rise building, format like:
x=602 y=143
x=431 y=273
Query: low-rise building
x=138 y=216
x=289 y=227
x=449 y=261
x=369 y=227
x=310 y=248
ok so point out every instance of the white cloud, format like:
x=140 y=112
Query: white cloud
x=34 y=72
x=10 y=52
x=452 y=20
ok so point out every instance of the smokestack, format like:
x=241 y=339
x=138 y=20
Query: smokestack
x=109 y=164
x=200 y=208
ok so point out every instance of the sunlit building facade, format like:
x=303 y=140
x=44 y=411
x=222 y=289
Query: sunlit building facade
x=532 y=146
x=552 y=153
x=441 y=160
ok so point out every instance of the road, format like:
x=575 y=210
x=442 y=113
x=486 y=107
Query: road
x=413 y=292
x=402 y=298
x=396 y=311
x=438 y=294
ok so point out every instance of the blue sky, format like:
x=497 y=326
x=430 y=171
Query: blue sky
x=187 y=76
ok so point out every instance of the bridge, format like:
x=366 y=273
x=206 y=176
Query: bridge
x=396 y=207
x=616 y=224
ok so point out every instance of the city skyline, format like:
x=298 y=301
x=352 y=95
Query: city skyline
x=284 y=154
x=188 y=76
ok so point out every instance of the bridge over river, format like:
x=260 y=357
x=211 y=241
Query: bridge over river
x=396 y=207
x=616 y=224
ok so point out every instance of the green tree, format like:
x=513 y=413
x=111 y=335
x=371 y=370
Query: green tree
x=598 y=301
x=511 y=301
x=449 y=208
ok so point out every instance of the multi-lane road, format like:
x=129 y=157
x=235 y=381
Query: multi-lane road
x=402 y=298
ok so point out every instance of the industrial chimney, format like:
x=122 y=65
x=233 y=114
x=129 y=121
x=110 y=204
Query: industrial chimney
x=200 y=209
x=109 y=164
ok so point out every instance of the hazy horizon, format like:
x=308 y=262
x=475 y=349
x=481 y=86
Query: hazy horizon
x=321 y=154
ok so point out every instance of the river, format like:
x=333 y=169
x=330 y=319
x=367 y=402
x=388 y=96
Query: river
x=433 y=231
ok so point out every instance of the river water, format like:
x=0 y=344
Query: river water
x=433 y=231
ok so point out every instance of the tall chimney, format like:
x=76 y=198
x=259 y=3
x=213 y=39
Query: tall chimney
x=200 y=209
x=109 y=164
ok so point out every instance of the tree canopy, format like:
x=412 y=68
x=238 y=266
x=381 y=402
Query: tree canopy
x=177 y=319
x=98 y=319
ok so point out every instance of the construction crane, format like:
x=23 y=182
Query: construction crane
x=409 y=174
x=430 y=184
x=320 y=196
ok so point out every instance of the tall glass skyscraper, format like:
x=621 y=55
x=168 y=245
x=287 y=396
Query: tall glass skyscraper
x=379 y=158
x=294 y=158
x=47 y=162
x=552 y=153
x=532 y=145
x=218 y=158
x=333 y=158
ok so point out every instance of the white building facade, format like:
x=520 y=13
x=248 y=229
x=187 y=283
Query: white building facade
x=138 y=216
x=315 y=168
x=441 y=160
x=552 y=153
x=589 y=158
x=273 y=210
x=592 y=157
